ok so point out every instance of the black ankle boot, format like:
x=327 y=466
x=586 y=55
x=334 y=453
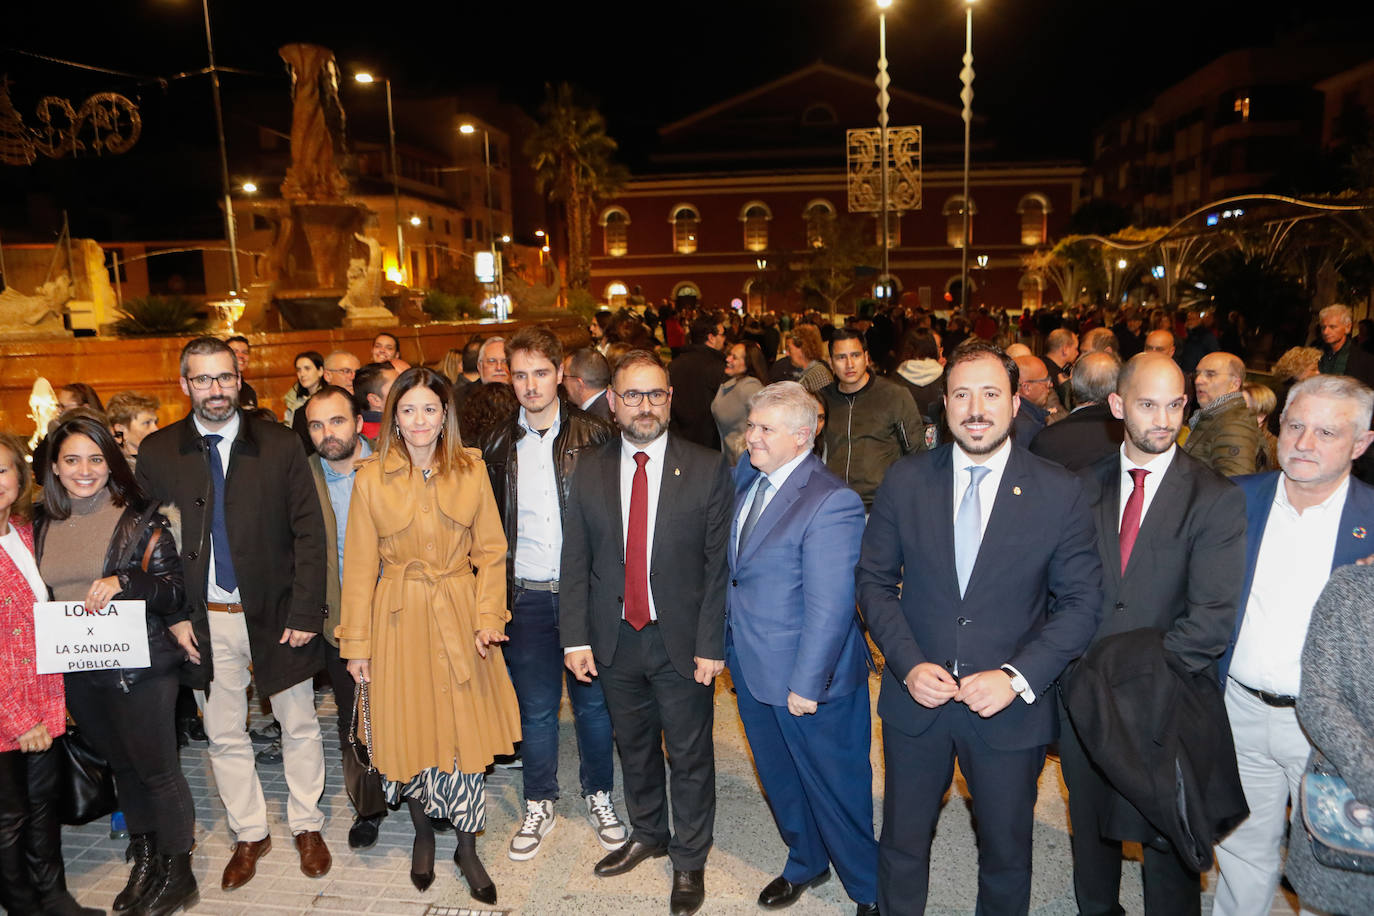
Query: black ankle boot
x=144 y=873
x=480 y=885
x=175 y=888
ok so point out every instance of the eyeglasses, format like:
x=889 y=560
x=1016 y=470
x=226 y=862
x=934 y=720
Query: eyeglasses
x=203 y=382
x=658 y=397
x=495 y=361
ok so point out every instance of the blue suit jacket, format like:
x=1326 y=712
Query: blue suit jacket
x=1354 y=538
x=1033 y=599
x=790 y=604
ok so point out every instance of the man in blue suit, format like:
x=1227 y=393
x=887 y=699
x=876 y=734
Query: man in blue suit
x=796 y=652
x=1301 y=522
x=963 y=552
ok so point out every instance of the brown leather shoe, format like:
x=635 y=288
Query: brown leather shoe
x=243 y=864
x=315 y=858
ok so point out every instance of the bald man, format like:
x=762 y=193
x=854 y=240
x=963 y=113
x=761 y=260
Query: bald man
x=1090 y=432
x=1160 y=341
x=1035 y=389
x=1222 y=432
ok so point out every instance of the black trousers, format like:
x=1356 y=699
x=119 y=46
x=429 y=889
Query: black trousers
x=1002 y=784
x=30 y=831
x=1171 y=887
x=654 y=708
x=136 y=733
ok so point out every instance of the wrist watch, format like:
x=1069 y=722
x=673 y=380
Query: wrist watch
x=1018 y=682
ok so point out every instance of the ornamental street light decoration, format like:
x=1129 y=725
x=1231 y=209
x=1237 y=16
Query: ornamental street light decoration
x=966 y=95
x=107 y=122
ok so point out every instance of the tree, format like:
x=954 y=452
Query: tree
x=573 y=162
x=1074 y=266
x=833 y=271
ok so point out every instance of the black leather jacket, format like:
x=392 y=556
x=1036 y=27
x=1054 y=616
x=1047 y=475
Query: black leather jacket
x=577 y=430
x=161 y=586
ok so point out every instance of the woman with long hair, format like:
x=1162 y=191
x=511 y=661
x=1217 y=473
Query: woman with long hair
x=745 y=373
x=425 y=634
x=98 y=538
x=32 y=714
x=309 y=376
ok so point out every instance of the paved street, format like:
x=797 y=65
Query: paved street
x=559 y=880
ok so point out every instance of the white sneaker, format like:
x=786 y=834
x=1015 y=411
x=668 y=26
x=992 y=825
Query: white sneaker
x=539 y=821
x=610 y=829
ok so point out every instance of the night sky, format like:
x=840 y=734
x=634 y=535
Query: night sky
x=1048 y=71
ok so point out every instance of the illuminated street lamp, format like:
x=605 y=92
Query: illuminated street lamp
x=250 y=188
x=966 y=94
x=367 y=78
x=883 y=80
x=415 y=219
x=491 y=233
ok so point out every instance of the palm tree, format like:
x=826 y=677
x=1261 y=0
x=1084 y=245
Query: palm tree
x=572 y=158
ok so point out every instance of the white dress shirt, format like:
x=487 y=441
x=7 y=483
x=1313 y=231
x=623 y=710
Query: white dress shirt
x=539 y=526
x=775 y=482
x=1291 y=569
x=1157 y=466
x=996 y=464
x=14 y=545
x=228 y=433
x=653 y=469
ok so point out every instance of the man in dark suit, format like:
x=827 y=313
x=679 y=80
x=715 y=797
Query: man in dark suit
x=962 y=613
x=253 y=546
x=642 y=606
x=1301 y=522
x=1171 y=535
x=586 y=376
x=1090 y=432
x=696 y=374
x=796 y=652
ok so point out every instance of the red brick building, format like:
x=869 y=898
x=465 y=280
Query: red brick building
x=738 y=181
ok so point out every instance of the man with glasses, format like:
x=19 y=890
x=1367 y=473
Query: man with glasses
x=492 y=364
x=1035 y=389
x=253 y=545
x=642 y=609
x=586 y=376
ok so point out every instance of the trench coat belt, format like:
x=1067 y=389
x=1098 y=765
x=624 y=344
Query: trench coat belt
x=421 y=570
x=456 y=643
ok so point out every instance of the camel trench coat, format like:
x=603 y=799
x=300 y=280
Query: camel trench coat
x=424 y=569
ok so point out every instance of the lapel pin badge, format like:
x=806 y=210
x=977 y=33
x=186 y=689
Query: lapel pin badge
x=677 y=472
x=1359 y=533
x=1015 y=491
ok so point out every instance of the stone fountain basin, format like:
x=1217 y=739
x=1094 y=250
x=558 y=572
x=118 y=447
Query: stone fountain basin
x=310 y=309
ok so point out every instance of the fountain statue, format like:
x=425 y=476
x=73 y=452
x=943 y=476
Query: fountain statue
x=24 y=317
x=317 y=229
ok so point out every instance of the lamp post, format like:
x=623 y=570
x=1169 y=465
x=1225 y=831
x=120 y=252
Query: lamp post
x=883 y=80
x=762 y=264
x=366 y=78
x=966 y=94
x=230 y=231
x=491 y=233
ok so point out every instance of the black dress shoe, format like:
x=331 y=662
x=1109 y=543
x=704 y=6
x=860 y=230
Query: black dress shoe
x=780 y=892
x=689 y=892
x=363 y=833
x=627 y=857
x=867 y=909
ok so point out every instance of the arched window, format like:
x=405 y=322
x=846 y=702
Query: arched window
x=617 y=294
x=755 y=216
x=686 y=293
x=819 y=114
x=615 y=224
x=1032 y=291
x=954 y=220
x=818 y=214
x=894 y=229
x=685 y=220
x=1033 y=208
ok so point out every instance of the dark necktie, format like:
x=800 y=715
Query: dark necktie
x=755 y=510
x=1130 y=519
x=637 y=549
x=219 y=531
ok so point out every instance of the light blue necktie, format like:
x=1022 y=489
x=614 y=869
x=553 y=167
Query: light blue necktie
x=968 y=528
x=755 y=510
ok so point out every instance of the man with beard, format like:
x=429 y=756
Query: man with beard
x=982 y=533
x=335 y=425
x=1171 y=537
x=642 y=607
x=253 y=545
x=1222 y=431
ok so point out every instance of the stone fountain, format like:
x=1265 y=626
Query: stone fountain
x=322 y=269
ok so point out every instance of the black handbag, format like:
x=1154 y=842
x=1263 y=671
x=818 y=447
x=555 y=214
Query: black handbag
x=361 y=779
x=85 y=781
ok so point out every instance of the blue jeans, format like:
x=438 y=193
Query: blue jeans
x=534 y=656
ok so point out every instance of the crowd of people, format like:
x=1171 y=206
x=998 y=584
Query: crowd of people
x=1065 y=532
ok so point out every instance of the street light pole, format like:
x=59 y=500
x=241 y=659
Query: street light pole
x=230 y=232
x=883 y=80
x=966 y=94
x=491 y=232
x=401 y=265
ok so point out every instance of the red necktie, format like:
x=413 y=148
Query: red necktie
x=637 y=549
x=1130 y=519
